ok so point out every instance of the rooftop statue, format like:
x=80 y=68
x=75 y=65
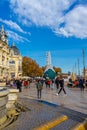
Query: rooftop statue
x=3 y=35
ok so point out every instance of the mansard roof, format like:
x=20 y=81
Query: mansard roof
x=15 y=49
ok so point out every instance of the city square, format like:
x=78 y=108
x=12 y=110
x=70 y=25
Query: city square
x=43 y=66
x=70 y=109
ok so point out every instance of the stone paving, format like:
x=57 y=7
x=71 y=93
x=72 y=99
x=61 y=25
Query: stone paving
x=42 y=112
x=73 y=105
x=75 y=98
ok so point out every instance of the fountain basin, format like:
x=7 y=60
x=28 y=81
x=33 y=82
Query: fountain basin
x=3 y=101
x=12 y=98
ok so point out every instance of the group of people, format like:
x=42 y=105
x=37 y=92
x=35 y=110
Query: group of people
x=80 y=83
x=18 y=83
x=59 y=81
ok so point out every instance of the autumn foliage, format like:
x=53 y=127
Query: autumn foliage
x=57 y=70
x=31 y=68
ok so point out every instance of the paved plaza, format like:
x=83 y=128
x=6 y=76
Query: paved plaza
x=75 y=98
x=52 y=112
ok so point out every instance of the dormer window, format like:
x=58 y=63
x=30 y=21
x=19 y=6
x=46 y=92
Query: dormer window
x=11 y=53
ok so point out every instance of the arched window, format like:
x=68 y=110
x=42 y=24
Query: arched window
x=12 y=62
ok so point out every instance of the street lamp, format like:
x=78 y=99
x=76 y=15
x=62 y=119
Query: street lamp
x=83 y=64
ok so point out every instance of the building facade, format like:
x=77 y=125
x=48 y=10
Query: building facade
x=10 y=58
x=15 y=62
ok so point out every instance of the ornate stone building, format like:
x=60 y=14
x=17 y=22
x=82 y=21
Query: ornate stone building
x=15 y=62
x=10 y=58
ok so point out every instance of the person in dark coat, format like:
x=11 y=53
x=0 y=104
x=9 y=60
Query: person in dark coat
x=61 y=82
x=86 y=83
x=19 y=84
x=81 y=84
x=57 y=82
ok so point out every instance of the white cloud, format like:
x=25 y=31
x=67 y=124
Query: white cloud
x=14 y=36
x=13 y=25
x=75 y=23
x=51 y=13
x=41 y=13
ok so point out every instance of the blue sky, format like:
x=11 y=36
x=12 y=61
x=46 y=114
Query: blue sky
x=39 y=26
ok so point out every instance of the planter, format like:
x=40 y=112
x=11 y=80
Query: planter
x=12 y=98
x=3 y=101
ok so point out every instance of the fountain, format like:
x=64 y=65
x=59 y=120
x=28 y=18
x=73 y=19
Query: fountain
x=10 y=109
x=3 y=101
x=8 y=97
x=12 y=98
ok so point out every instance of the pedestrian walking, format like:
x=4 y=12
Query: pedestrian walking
x=48 y=83
x=19 y=84
x=52 y=84
x=39 y=89
x=81 y=84
x=86 y=83
x=57 y=82
x=61 y=82
x=26 y=83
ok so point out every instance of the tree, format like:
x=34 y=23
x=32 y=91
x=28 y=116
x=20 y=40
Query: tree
x=43 y=68
x=57 y=70
x=31 y=68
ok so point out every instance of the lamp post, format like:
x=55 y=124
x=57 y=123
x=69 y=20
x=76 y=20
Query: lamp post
x=83 y=63
x=78 y=68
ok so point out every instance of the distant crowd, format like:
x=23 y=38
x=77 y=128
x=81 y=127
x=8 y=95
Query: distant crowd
x=81 y=83
x=58 y=82
x=18 y=83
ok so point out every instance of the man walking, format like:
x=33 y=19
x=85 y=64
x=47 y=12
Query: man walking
x=57 y=82
x=61 y=82
x=39 y=89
